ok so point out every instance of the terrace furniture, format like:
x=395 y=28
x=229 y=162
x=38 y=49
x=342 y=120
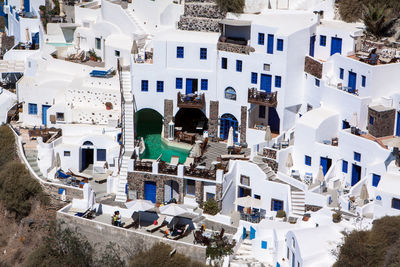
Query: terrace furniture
x=174 y=161
x=201 y=238
x=189 y=161
x=131 y=223
x=184 y=233
x=187 y=138
x=228 y=157
x=308 y=178
x=160 y=223
x=296 y=174
x=100 y=73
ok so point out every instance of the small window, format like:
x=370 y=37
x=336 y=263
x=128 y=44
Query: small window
x=239 y=65
x=117 y=53
x=293 y=243
x=145 y=85
x=203 y=53
x=254 y=77
x=288 y=253
x=344 y=166
x=396 y=203
x=264 y=244
x=67 y=153
x=245 y=180
x=345 y=124
x=316 y=82
x=322 y=40
x=267 y=67
x=341 y=73
x=180 y=52
x=307 y=160
x=101 y=155
x=371 y=120
x=261 y=112
x=160 y=86
x=257 y=196
x=224 y=63
x=204 y=84
x=210 y=196
x=32 y=109
x=276 y=204
x=230 y=93
x=60 y=116
x=363 y=80
x=279 y=45
x=375 y=179
x=309 y=107
x=179 y=83
x=278 y=80
x=98 y=43
x=357 y=156
x=261 y=37
x=190 y=187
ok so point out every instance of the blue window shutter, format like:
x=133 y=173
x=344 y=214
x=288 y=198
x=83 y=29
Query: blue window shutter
x=317 y=82
x=341 y=73
x=204 y=84
x=279 y=45
x=375 y=179
x=203 y=53
x=371 y=120
x=363 y=80
x=101 y=155
x=224 y=63
x=270 y=44
x=179 y=83
x=254 y=77
x=322 y=40
x=357 y=156
x=180 y=52
x=264 y=244
x=160 y=86
x=344 y=166
x=261 y=37
x=396 y=203
x=308 y=160
x=278 y=80
x=239 y=65
x=32 y=109
x=145 y=85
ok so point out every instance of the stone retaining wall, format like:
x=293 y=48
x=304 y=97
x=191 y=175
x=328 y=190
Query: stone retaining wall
x=313 y=67
x=198 y=24
x=235 y=48
x=204 y=10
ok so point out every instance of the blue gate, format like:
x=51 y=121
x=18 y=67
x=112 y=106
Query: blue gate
x=336 y=45
x=312 y=45
x=44 y=114
x=352 y=81
x=227 y=121
x=150 y=191
x=266 y=81
x=355 y=174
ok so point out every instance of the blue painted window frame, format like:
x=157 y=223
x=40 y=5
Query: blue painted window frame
x=363 y=80
x=261 y=38
x=180 y=52
x=278 y=81
x=264 y=244
x=203 y=53
x=179 y=83
x=277 y=204
x=279 y=44
x=254 y=76
x=204 y=84
x=317 y=82
x=145 y=86
x=375 y=179
x=32 y=109
x=101 y=154
x=160 y=86
x=224 y=63
x=239 y=65
x=357 y=156
x=322 y=40
x=270 y=44
x=307 y=160
x=341 y=73
x=396 y=203
x=345 y=165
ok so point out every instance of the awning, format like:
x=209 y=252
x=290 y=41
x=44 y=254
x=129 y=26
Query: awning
x=234 y=22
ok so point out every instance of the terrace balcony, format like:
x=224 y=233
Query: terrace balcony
x=262 y=98
x=191 y=100
x=235 y=36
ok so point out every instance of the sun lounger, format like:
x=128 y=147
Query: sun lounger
x=189 y=161
x=184 y=233
x=131 y=223
x=174 y=161
x=226 y=157
x=160 y=223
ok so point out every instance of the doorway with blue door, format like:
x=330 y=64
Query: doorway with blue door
x=150 y=191
x=226 y=122
x=171 y=190
x=87 y=155
x=243 y=192
x=398 y=124
x=352 y=83
x=336 y=45
x=191 y=86
x=273 y=120
x=44 y=114
x=266 y=81
x=326 y=163
x=312 y=46
x=355 y=174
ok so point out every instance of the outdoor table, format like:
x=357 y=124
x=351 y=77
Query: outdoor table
x=207 y=234
x=201 y=167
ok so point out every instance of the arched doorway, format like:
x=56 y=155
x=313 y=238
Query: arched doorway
x=191 y=120
x=147 y=122
x=226 y=122
x=87 y=155
x=171 y=190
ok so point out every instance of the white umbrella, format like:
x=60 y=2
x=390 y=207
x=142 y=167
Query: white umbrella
x=173 y=209
x=230 y=138
x=364 y=193
x=248 y=202
x=354 y=120
x=196 y=151
x=320 y=176
x=27 y=35
x=289 y=161
x=134 y=49
x=61 y=4
x=139 y=204
x=268 y=135
x=78 y=40
x=57 y=161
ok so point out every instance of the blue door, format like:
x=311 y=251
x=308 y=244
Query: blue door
x=150 y=190
x=273 y=119
x=352 y=81
x=355 y=174
x=312 y=45
x=266 y=81
x=44 y=114
x=398 y=124
x=189 y=86
x=336 y=45
x=35 y=38
x=244 y=233
x=270 y=44
x=252 y=233
x=27 y=6
x=228 y=121
x=326 y=164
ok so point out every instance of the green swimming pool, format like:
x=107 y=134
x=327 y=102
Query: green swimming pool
x=60 y=44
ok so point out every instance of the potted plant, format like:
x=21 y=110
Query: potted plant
x=280 y=214
x=109 y=106
x=337 y=216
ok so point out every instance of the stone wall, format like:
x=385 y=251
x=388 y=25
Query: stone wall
x=204 y=10
x=198 y=24
x=130 y=241
x=272 y=163
x=382 y=121
x=313 y=67
x=235 y=48
x=168 y=114
x=213 y=121
x=243 y=125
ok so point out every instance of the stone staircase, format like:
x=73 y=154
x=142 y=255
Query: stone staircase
x=136 y=22
x=271 y=175
x=12 y=66
x=31 y=156
x=298 y=202
x=244 y=256
x=128 y=136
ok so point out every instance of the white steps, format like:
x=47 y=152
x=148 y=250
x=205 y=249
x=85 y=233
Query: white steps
x=244 y=256
x=298 y=203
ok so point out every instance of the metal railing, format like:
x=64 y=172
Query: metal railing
x=262 y=98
